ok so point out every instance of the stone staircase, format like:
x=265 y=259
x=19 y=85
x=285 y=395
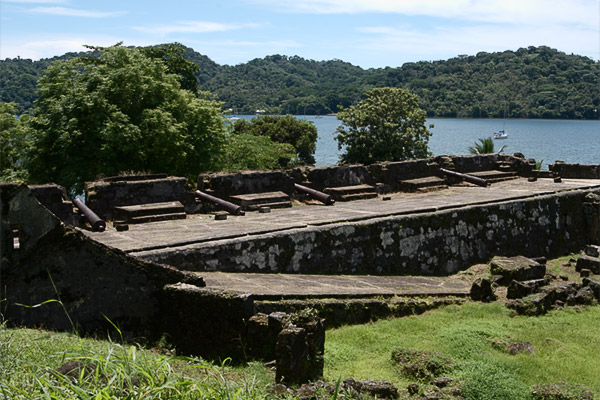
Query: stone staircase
x=254 y=201
x=142 y=213
x=350 y=193
x=494 y=176
x=426 y=184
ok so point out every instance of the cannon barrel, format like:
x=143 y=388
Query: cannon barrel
x=315 y=194
x=225 y=205
x=97 y=224
x=465 y=177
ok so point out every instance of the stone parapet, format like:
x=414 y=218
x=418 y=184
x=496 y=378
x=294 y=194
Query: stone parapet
x=102 y=196
x=575 y=171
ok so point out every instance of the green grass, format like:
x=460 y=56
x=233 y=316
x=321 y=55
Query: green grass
x=29 y=358
x=566 y=342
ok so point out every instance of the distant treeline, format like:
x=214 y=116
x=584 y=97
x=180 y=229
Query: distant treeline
x=534 y=82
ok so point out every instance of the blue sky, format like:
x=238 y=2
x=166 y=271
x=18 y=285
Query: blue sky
x=368 y=33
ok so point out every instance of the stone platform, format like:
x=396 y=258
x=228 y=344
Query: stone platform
x=301 y=286
x=434 y=233
x=204 y=229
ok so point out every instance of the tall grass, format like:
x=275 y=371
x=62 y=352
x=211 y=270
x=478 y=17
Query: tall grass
x=566 y=342
x=29 y=359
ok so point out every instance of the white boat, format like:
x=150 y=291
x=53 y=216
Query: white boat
x=500 y=135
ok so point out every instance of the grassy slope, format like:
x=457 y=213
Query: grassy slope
x=566 y=342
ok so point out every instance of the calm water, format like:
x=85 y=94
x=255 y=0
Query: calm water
x=548 y=140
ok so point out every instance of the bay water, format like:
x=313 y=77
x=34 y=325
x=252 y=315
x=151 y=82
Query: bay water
x=576 y=142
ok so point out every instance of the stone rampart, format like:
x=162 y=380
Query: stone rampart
x=386 y=175
x=575 y=171
x=430 y=243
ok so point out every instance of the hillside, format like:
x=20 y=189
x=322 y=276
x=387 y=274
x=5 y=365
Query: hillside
x=537 y=82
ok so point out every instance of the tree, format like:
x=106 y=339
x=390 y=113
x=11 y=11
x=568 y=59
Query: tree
x=121 y=111
x=485 y=146
x=249 y=152
x=302 y=135
x=388 y=125
x=15 y=136
x=172 y=54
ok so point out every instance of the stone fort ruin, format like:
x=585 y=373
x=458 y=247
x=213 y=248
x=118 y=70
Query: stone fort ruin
x=214 y=267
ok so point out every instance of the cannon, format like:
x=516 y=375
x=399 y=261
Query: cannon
x=315 y=194
x=97 y=224
x=231 y=208
x=465 y=177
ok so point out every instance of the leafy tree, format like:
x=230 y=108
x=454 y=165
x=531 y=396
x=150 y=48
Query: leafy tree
x=388 y=125
x=250 y=152
x=121 y=111
x=173 y=55
x=15 y=135
x=302 y=135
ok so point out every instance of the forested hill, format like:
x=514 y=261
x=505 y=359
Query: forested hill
x=536 y=82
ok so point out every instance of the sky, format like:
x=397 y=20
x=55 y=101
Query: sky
x=367 y=33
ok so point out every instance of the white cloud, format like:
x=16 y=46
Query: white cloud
x=192 y=27
x=35 y=1
x=72 y=12
x=37 y=49
x=446 y=42
x=578 y=12
x=238 y=51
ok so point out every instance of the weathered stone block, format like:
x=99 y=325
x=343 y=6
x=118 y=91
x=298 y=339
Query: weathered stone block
x=587 y=262
x=594 y=285
x=518 y=289
x=299 y=349
x=292 y=355
x=592 y=250
x=517 y=268
x=379 y=389
x=482 y=290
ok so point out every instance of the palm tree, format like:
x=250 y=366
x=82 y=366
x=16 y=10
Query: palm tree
x=485 y=146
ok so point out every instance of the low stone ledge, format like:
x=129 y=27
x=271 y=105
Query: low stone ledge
x=338 y=312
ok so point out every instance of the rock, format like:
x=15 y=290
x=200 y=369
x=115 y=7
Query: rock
x=76 y=369
x=592 y=250
x=482 y=290
x=513 y=348
x=520 y=347
x=421 y=364
x=306 y=392
x=413 y=389
x=373 y=388
x=586 y=262
x=540 y=260
x=292 y=352
x=443 y=381
x=564 y=277
x=562 y=391
x=594 y=285
x=517 y=289
x=585 y=273
x=278 y=389
x=584 y=296
x=517 y=268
